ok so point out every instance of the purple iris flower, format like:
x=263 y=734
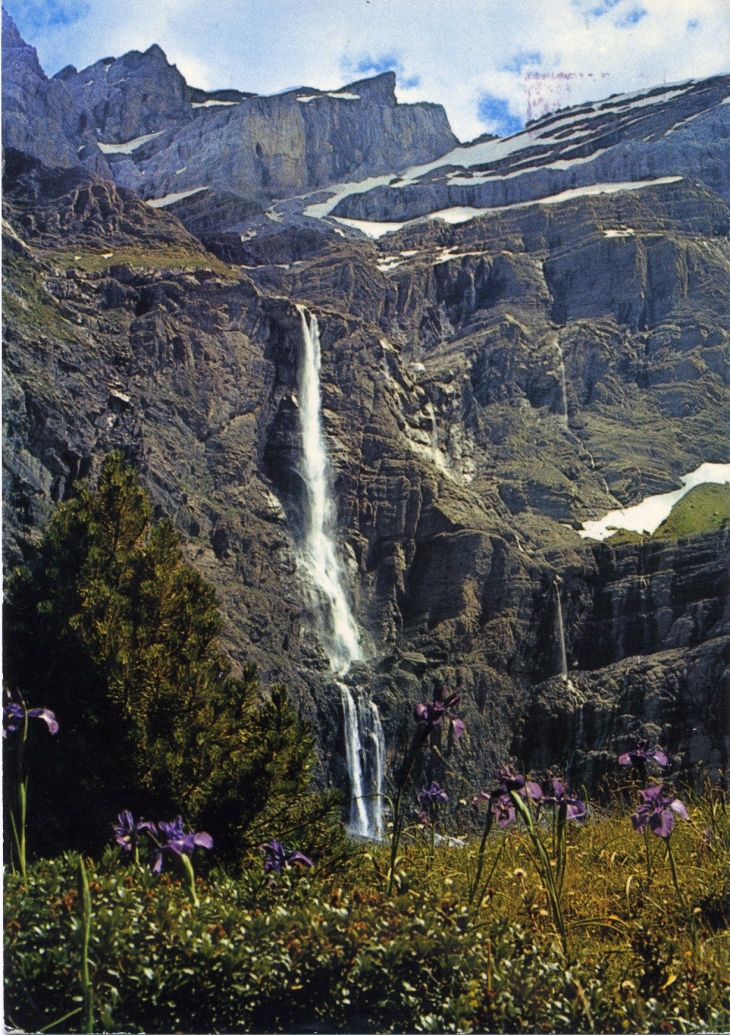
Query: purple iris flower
x=658 y=811
x=14 y=714
x=433 y=713
x=432 y=795
x=556 y=793
x=178 y=841
x=641 y=755
x=503 y=810
x=500 y=803
x=128 y=831
x=277 y=857
x=509 y=781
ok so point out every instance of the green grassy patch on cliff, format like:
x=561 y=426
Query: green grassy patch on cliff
x=704 y=509
x=27 y=303
x=155 y=257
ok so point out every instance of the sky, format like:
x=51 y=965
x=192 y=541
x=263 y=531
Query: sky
x=493 y=64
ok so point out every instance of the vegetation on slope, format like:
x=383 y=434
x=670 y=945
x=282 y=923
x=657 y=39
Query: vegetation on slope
x=703 y=509
x=144 y=257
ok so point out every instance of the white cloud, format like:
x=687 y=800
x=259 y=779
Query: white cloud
x=527 y=53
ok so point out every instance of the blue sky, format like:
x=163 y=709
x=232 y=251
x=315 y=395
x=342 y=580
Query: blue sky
x=491 y=63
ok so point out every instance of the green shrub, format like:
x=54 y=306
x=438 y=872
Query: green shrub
x=319 y=952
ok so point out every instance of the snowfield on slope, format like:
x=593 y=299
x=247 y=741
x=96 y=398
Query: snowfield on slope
x=648 y=515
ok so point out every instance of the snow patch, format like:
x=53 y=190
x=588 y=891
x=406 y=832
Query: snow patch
x=344 y=190
x=391 y=263
x=170 y=199
x=343 y=96
x=129 y=145
x=459 y=213
x=649 y=514
x=214 y=104
x=367 y=226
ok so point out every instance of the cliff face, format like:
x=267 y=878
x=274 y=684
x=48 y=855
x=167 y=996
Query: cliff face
x=268 y=147
x=668 y=131
x=435 y=411
x=486 y=387
x=258 y=148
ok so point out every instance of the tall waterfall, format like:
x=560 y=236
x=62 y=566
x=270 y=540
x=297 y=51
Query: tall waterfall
x=364 y=740
x=340 y=635
x=561 y=631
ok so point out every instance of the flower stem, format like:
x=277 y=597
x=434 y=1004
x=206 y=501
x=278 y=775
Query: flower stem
x=647 y=850
x=487 y=882
x=20 y=826
x=544 y=867
x=86 y=987
x=680 y=895
x=187 y=863
x=482 y=849
x=397 y=816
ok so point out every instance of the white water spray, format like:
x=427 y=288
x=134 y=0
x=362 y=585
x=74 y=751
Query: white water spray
x=377 y=736
x=563 y=389
x=359 y=821
x=340 y=634
x=365 y=755
x=364 y=740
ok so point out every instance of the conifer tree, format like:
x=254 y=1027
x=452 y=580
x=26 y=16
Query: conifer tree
x=114 y=633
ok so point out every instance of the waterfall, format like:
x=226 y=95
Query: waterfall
x=561 y=632
x=359 y=820
x=365 y=755
x=363 y=730
x=378 y=742
x=340 y=635
x=561 y=371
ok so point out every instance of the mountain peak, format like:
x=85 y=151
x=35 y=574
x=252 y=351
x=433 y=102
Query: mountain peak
x=16 y=50
x=379 y=89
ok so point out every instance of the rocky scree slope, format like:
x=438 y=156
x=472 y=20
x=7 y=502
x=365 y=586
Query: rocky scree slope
x=486 y=387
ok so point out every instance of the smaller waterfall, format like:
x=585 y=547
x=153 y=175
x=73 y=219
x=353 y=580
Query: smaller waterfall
x=353 y=753
x=378 y=739
x=563 y=389
x=365 y=756
x=561 y=631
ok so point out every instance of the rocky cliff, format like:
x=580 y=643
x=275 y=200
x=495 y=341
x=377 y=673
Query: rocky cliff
x=486 y=386
x=668 y=131
x=41 y=116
